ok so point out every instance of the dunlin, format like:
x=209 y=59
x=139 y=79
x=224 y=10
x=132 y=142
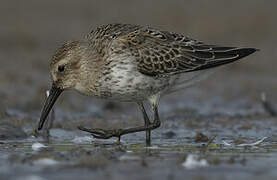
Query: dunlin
x=133 y=63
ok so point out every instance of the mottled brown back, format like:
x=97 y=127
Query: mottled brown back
x=161 y=52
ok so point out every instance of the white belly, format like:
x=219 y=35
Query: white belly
x=126 y=83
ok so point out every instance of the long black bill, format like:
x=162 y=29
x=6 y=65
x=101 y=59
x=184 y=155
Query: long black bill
x=50 y=101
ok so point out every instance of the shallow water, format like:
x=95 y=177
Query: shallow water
x=73 y=154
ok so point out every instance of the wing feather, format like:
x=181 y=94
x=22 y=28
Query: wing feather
x=160 y=52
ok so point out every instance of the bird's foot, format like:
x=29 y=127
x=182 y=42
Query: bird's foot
x=106 y=134
x=102 y=133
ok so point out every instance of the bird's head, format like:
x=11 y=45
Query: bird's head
x=65 y=65
x=65 y=69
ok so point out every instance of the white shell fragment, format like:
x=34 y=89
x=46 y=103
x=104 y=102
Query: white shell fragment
x=38 y=146
x=192 y=162
x=245 y=144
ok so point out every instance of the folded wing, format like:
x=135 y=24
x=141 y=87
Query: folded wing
x=161 y=52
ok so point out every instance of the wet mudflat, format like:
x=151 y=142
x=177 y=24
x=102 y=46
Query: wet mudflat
x=212 y=136
x=207 y=131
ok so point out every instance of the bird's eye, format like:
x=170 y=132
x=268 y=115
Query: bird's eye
x=61 y=68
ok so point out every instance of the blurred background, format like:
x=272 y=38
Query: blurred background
x=226 y=106
x=32 y=30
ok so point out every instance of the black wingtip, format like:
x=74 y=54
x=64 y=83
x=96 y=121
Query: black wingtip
x=243 y=52
x=226 y=57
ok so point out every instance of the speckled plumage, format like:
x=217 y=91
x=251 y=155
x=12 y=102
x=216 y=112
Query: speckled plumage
x=134 y=63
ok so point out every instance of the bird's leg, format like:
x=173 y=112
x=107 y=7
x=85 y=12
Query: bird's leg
x=157 y=121
x=106 y=134
x=146 y=123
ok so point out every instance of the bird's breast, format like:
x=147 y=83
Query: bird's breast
x=122 y=81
